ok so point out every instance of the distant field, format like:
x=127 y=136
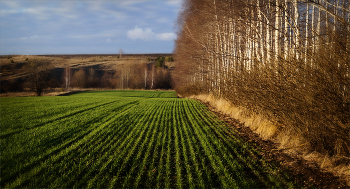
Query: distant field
x=125 y=139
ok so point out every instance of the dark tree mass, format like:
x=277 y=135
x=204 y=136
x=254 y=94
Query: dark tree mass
x=286 y=60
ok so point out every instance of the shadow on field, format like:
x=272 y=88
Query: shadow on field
x=71 y=92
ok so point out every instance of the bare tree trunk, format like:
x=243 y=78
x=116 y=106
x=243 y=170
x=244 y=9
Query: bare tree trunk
x=145 y=76
x=120 y=53
x=268 y=48
x=261 y=32
x=307 y=33
x=122 y=78
x=277 y=30
x=327 y=31
x=313 y=34
x=67 y=77
x=127 y=76
x=286 y=31
x=276 y=36
x=152 y=84
x=318 y=31
x=297 y=32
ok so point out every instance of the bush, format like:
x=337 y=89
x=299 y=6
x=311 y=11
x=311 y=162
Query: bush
x=160 y=61
x=12 y=61
x=169 y=59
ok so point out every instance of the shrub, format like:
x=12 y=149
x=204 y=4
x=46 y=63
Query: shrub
x=169 y=59
x=160 y=61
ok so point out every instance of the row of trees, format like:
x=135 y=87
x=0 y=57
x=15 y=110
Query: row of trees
x=41 y=74
x=138 y=76
x=287 y=60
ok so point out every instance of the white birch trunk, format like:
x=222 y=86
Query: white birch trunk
x=307 y=32
x=276 y=36
x=318 y=32
x=152 y=83
x=327 y=33
x=67 y=78
x=268 y=48
x=286 y=31
x=277 y=28
x=261 y=32
x=146 y=77
x=123 y=78
x=313 y=34
x=297 y=32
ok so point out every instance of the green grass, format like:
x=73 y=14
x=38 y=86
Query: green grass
x=125 y=139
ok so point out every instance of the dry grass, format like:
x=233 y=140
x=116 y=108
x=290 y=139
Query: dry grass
x=288 y=141
x=256 y=123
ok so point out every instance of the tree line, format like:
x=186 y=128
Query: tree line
x=133 y=76
x=42 y=75
x=287 y=60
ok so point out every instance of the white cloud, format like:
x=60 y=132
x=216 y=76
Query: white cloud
x=174 y=2
x=139 y=33
x=36 y=37
x=66 y=23
x=148 y=34
x=166 y=36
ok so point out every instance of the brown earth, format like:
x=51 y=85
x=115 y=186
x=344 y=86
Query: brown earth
x=307 y=174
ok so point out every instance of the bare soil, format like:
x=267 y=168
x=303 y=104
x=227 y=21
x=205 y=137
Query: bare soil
x=308 y=174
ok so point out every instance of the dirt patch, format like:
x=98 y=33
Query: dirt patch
x=307 y=174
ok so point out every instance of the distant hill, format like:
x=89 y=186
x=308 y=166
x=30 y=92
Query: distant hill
x=129 y=71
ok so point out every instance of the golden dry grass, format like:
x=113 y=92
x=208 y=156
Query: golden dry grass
x=290 y=142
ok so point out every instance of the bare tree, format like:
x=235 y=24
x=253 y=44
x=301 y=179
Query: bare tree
x=67 y=77
x=120 y=53
x=39 y=75
x=254 y=52
x=145 y=75
x=79 y=79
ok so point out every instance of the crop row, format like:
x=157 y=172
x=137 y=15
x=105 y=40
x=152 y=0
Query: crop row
x=124 y=139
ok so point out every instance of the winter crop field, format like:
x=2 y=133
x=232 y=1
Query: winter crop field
x=128 y=139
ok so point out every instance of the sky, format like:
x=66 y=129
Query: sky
x=38 y=27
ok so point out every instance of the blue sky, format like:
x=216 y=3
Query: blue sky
x=34 y=27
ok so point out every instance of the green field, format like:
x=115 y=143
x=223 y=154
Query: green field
x=125 y=139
